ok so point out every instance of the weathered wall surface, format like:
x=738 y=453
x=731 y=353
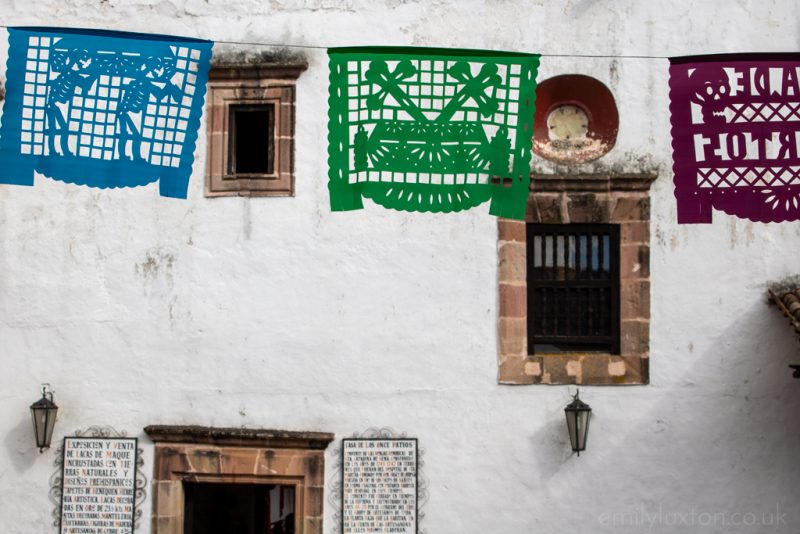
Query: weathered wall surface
x=275 y=312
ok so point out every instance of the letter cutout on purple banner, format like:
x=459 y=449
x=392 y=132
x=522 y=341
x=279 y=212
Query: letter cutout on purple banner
x=736 y=136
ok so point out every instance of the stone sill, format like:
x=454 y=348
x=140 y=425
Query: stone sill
x=587 y=183
x=629 y=377
x=576 y=368
x=243 y=437
x=245 y=192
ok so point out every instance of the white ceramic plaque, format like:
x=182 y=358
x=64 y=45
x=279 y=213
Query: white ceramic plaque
x=379 y=486
x=99 y=485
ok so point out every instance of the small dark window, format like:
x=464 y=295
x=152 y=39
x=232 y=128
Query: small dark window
x=219 y=508
x=573 y=287
x=251 y=134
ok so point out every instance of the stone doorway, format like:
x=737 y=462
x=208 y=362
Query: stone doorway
x=196 y=465
x=218 y=508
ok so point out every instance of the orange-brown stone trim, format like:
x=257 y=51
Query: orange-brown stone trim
x=251 y=84
x=238 y=456
x=613 y=199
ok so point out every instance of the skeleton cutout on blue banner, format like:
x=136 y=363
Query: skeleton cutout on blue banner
x=101 y=108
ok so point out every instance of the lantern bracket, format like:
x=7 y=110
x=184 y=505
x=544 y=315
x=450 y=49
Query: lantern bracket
x=46 y=393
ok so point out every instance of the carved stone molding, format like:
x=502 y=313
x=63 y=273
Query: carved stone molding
x=237 y=456
x=241 y=437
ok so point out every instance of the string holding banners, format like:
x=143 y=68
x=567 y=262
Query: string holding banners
x=102 y=109
x=736 y=136
x=437 y=130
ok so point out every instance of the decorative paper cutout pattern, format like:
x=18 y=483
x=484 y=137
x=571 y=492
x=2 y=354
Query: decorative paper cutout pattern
x=439 y=130
x=101 y=108
x=736 y=136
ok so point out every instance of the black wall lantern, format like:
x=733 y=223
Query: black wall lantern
x=578 y=415
x=44 y=413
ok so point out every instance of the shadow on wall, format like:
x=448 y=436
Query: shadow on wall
x=715 y=453
x=552 y=443
x=20 y=443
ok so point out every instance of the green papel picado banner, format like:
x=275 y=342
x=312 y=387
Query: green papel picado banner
x=422 y=129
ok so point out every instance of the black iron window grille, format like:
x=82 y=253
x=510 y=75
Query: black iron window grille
x=573 y=287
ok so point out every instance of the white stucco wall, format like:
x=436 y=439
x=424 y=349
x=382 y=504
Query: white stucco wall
x=277 y=313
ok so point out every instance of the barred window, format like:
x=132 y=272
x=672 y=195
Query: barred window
x=573 y=287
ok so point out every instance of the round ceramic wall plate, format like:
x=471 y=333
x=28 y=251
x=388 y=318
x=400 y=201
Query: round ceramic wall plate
x=576 y=119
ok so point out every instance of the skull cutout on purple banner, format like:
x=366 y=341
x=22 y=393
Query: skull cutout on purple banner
x=711 y=89
x=736 y=136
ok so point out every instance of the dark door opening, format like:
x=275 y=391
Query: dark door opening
x=216 y=508
x=251 y=134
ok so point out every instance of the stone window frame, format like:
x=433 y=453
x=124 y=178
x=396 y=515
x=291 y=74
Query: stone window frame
x=236 y=456
x=622 y=199
x=251 y=84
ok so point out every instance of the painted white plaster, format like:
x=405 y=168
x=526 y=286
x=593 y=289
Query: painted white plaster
x=277 y=313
